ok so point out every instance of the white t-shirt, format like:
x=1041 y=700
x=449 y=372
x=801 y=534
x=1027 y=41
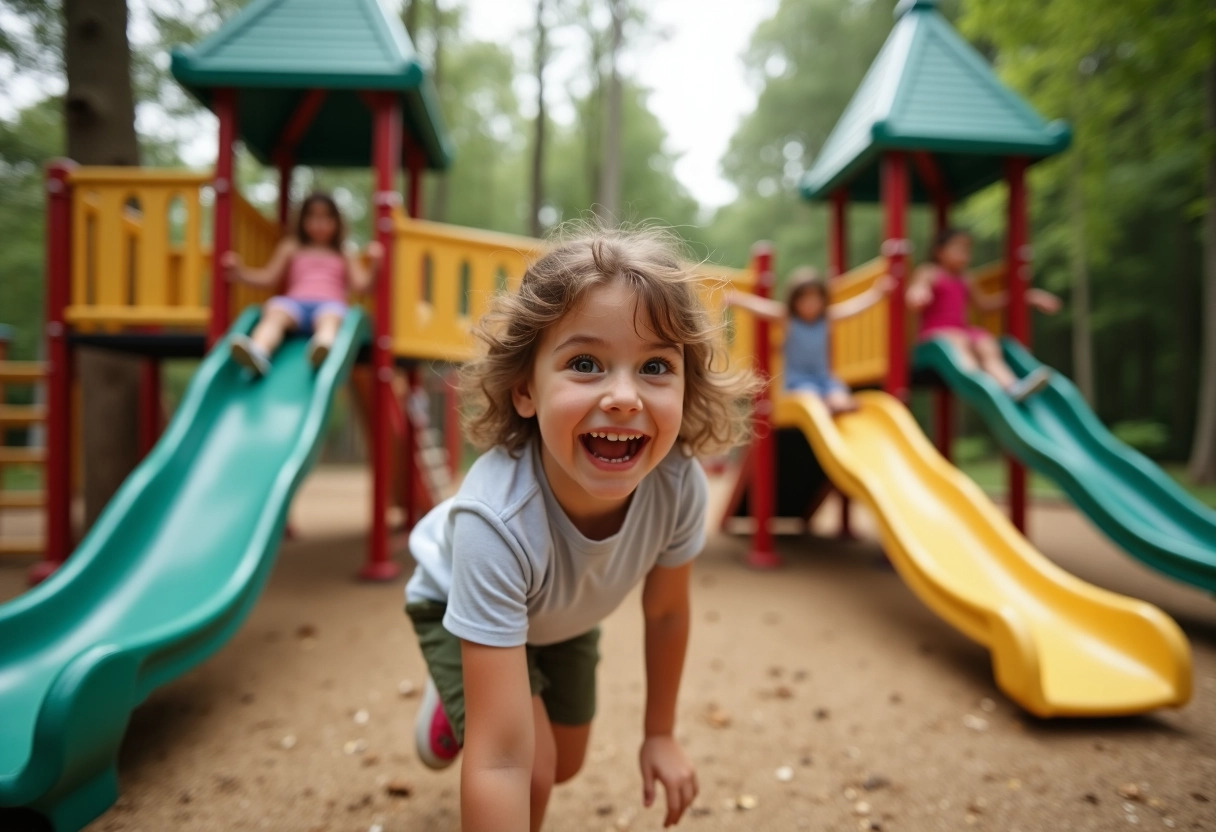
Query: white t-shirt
x=514 y=570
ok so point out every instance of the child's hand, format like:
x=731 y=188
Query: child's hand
x=231 y=263
x=663 y=760
x=919 y=296
x=375 y=251
x=1044 y=301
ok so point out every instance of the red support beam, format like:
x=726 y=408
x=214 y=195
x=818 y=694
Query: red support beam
x=762 y=499
x=1018 y=270
x=896 y=249
x=225 y=183
x=838 y=238
x=416 y=165
x=59 y=378
x=303 y=117
x=943 y=403
x=149 y=405
x=386 y=154
x=838 y=264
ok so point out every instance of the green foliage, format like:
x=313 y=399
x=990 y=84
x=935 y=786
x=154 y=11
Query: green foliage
x=1146 y=437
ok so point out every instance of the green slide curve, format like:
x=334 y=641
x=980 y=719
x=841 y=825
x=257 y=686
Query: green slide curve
x=166 y=575
x=1129 y=498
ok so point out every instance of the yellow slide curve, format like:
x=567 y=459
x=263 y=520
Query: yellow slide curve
x=1060 y=647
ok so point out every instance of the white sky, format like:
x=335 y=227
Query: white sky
x=689 y=56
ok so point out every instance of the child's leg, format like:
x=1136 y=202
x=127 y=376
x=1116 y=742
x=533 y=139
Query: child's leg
x=991 y=360
x=325 y=326
x=840 y=401
x=276 y=321
x=571 y=742
x=963 y=347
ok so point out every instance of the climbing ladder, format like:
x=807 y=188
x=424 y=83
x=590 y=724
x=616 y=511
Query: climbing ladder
x=26 y=374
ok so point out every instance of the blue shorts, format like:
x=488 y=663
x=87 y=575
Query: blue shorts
x=304 y=312
x=820 y=385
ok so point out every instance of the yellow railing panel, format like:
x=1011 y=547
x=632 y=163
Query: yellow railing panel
x=990 y=279
x=137 y=256
x=254 y=238
x=860 y=343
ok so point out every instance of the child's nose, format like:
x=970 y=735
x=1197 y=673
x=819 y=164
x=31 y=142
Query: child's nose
x=622 y=393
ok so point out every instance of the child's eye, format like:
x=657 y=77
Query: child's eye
x=583 y=364
x=657 y=367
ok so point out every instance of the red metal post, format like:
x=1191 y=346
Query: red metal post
x=149 y=404
x=838 y=264
x=941 y=213
x=59 y=378
x=764 y=463
x=412 y=479
x=408 y=450
x=1018 y=269
x=838 y=236
x=896 y=249
x=386 y=153
x=943 y=402
x=225 y=183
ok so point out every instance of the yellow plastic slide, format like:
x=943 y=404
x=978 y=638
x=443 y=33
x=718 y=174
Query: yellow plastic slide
x=1060 y=647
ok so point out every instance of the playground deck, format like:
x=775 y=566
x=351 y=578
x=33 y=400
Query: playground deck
x=877 y=686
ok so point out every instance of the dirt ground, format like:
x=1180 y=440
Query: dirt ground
x=824 y=696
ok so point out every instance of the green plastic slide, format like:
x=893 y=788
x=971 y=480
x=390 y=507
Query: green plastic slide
x=166 y=575
x=1129 y=498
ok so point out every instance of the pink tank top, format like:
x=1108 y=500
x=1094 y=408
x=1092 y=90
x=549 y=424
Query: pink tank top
x=948 y=307
x=317 y=275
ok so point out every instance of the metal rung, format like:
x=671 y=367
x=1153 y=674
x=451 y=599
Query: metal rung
x=22 y=499
x=22 y=456
x=23 y=371
x=14 y=414
x=22 y=546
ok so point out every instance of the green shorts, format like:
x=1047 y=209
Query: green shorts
x=562 y=674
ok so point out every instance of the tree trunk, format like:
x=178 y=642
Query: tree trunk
x=1079 y=302
x=1202 y=466
x=538 y=145
x=100 y=116
x=608 y=198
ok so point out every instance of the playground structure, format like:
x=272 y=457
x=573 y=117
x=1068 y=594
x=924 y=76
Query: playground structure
x=129 y=267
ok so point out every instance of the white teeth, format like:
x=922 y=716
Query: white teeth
x=615 y=437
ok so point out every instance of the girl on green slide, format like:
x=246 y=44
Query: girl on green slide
x=319 y=273
x=941 y=289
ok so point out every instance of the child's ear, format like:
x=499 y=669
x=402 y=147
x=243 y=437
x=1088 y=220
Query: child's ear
x=521 y=397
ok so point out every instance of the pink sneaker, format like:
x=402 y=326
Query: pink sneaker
x=433 y=736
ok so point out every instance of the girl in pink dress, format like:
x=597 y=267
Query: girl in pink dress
x=319 y=275
x=942 y=290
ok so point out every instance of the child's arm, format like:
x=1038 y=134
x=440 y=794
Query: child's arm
x=920 y=287
x=1038 y=298
x=268 y=275
x=361 y=278
x=665 y=605
x=770 y=310
x=860 y=303
x=500 y=738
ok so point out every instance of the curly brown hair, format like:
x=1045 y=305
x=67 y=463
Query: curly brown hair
x=717 y=398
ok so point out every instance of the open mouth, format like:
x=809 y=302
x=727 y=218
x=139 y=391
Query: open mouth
x=616 y=448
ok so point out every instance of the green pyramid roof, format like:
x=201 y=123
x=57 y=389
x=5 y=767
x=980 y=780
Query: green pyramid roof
x=274 y=52
x=929 y=90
